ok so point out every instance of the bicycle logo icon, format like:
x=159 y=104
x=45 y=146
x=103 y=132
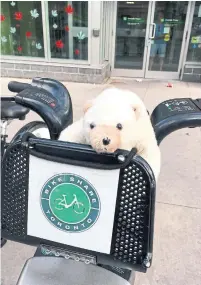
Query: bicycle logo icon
x=78 y=207
x=70 y=202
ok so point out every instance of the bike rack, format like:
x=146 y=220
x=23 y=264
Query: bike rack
x=115 y=225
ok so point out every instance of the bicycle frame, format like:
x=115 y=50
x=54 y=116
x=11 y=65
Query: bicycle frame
x=4 y=136
x=165 y=120
x=3 y=148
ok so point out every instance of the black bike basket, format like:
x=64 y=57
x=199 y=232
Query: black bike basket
x=69 y=197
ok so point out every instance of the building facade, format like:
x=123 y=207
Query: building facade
x=90 y=41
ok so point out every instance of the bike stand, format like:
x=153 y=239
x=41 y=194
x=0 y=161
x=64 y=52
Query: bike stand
x=124 y=273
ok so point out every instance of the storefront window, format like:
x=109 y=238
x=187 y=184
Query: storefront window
x=68 y=25
x=194 y=48
x=21 y=28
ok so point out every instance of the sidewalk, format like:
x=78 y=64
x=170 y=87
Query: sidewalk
x=177 y=241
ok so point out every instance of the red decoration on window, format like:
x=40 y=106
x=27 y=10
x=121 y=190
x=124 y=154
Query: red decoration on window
x=3 y=18
x=67 y=28
x=18 y=16
x=59 y=44
x=19 y=48
x=77 y=52
x=28 y=34
x=69 y=9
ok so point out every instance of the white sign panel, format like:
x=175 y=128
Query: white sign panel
x=72 y=205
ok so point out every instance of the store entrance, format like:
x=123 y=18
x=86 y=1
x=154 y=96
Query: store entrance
x=149 y=40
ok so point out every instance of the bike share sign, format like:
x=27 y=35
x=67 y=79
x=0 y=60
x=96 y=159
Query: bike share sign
x=70 y=202
x=71 y=205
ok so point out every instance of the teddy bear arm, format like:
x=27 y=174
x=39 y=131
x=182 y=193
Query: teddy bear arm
x=73 y=133
x=153 y=156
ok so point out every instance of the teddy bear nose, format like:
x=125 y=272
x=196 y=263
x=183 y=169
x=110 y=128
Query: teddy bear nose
x=106 y=141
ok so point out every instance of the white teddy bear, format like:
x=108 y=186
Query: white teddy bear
x=116 y=119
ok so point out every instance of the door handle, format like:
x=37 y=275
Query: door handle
x=153 y=31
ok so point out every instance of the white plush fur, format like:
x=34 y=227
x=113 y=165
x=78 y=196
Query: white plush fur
x=115 y=106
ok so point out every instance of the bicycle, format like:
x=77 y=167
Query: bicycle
x=126 y=243
x=78 y=207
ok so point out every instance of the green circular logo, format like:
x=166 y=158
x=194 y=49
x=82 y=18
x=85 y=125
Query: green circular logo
x=70 y=202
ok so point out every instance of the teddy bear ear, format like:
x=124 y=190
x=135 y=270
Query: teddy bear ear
x=87 y=105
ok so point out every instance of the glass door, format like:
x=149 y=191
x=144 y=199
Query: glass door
x=166 y=39
x=131 y=31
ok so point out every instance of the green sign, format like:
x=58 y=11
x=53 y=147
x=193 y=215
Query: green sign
x=133 y=20
x=70 y=202
x=172 y=21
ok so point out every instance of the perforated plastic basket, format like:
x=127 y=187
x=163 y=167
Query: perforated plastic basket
x=108 y=210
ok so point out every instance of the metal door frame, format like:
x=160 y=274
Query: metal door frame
x=167 y=74
x=190 y=22
x=144 y=72
x=116 y=72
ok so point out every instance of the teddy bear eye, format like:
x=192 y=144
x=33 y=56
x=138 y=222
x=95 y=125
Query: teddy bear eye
x=92 y=125
x=119 y=126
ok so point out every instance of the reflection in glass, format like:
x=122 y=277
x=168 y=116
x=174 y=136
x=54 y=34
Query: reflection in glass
x=168 y=28
x=194 y=48
x=130 y=34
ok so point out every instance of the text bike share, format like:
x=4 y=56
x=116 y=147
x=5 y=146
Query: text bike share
x=54 y=193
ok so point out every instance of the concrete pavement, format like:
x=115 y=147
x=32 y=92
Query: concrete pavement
x=177 y=242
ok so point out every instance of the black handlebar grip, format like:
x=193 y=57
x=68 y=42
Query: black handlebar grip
x=17 y=87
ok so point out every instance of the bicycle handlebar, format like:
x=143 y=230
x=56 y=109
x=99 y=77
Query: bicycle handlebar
x=17 y=87
x=47 y=97
x=175 y=114
x=51 y=100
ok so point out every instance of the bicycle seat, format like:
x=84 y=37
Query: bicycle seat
x=51 y=270
x=10 y=110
